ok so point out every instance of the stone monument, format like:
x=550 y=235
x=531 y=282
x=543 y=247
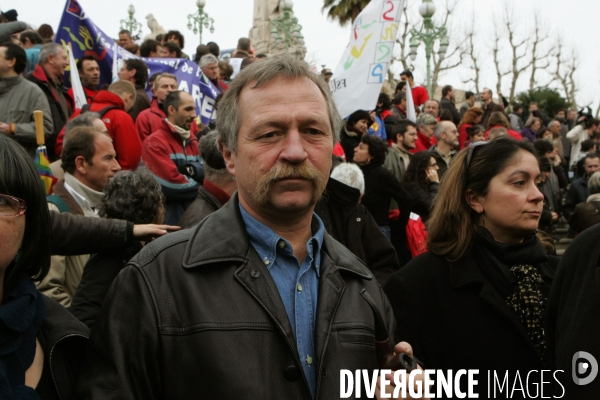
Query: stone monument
x=260 y=34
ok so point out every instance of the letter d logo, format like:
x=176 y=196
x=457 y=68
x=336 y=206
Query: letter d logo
x=584 y=363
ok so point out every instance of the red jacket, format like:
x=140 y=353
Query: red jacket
x=420 y=95
x=423 y=143
x=151 y=120
x=463 y=136
x=120 y=127
x=89 y=93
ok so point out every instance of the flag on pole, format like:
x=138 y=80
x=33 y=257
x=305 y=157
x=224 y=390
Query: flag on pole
x=41 y=155
x=358 y=78
x=78 y=92
x=115 y=65
x=411 y=115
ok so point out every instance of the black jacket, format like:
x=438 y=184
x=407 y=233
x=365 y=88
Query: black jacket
x=578 y=193
x=446 y=104
x=349 y=143
x=75 y=234
x=572 y=324
x=204 y=204
x=422 y=199
x=197 y=314
x=98 y=274
x=63 y=339
x=381 y=186
x=454 y=318
x=354 y=227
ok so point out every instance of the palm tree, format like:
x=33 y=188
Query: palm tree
x=344 y=11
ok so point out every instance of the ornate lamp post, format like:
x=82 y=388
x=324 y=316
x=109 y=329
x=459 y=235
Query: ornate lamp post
x=200 y=20
x=428 y=34
x=131 y=24
x=287 y=26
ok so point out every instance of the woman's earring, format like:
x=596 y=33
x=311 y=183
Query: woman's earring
x=483 y=218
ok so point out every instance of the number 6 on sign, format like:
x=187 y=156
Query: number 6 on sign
x=376 y=74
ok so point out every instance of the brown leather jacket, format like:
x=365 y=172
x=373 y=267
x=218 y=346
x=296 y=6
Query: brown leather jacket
x=196 y=314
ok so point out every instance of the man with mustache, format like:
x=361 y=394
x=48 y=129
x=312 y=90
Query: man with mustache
x=257 y=300
x=171 y=154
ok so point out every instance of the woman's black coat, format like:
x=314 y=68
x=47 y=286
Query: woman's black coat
x=454 y=319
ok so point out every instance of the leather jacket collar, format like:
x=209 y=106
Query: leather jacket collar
x=227 y=223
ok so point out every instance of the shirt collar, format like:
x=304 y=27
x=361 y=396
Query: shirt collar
x=267 y=243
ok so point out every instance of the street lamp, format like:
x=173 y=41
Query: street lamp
x=428 y=34
x=131 y=24
x=200 y=20
x=287 y=26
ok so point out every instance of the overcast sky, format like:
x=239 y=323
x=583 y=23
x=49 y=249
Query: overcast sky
x=574 y=20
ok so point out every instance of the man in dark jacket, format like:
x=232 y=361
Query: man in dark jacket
x=52 y=62
x=488 y=106
x=578 y=192
x=257 y=301
x=136 y=72
x=447 y=103
x=218 y=185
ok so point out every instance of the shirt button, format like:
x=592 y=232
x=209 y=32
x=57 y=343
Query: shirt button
x=267 y=262
x=299 y=287
x=357 y=219
x=309 y=360
x=281 y=244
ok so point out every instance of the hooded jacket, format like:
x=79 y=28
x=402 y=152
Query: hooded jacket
x=120 y=127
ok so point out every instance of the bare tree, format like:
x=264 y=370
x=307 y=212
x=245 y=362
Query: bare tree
x=472 y=55
x=519 y=49
x=565 y=68
x=495 y=52
x=540 y=56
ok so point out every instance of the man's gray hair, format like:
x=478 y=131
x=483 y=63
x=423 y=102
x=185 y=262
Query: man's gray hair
x=262 y=73
x=554 y=122
x=439 y=129
x=50 y=49
x=426 y=119
x=85 y=119
x=349 y=174
x=163 y=75
x=208 y=59
x=594 y=183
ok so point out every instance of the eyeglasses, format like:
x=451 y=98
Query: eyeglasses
x=11 y=206
x=471 y=150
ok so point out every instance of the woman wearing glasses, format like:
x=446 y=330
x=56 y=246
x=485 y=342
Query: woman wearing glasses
x=477 y=299
x=32 y=327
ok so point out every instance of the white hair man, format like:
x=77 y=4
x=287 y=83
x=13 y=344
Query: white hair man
x=209 y=64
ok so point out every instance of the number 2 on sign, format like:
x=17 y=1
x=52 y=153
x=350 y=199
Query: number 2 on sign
x=386 y=17
x=377 y=72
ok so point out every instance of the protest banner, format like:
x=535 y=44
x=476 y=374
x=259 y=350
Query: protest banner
x=358 y=78
x=77 y=29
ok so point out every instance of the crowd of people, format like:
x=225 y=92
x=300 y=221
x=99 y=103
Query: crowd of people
x=180 y=260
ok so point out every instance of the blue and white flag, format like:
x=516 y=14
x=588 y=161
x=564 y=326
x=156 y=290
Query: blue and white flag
x=86 y=38
x=358 y=78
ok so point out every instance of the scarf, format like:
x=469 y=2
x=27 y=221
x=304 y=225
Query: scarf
x=93 y=197
x=185 y=135
x=514 y=272
x=22 y=314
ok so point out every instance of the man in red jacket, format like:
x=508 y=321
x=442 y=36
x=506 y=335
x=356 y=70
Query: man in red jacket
x=89 y=73
x=113 y=104
x=150 y=120
x=419 y=93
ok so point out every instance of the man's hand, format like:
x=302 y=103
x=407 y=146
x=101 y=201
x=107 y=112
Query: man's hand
x=401 y=347
x=149 y=232
x=4 y=128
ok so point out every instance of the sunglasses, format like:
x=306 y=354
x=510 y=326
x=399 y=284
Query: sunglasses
x=471 y=150
x=11 y=206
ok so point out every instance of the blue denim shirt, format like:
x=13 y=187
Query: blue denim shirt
x=298 y=285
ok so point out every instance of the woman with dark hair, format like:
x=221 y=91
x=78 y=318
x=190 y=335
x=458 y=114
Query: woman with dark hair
x=475 y=133
x=477 y=299
x=380 y=185
x=356 y=127
x=498 y=120
x=33 y=327
x=133 y=196
x=422 y=182
x=472 y=117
